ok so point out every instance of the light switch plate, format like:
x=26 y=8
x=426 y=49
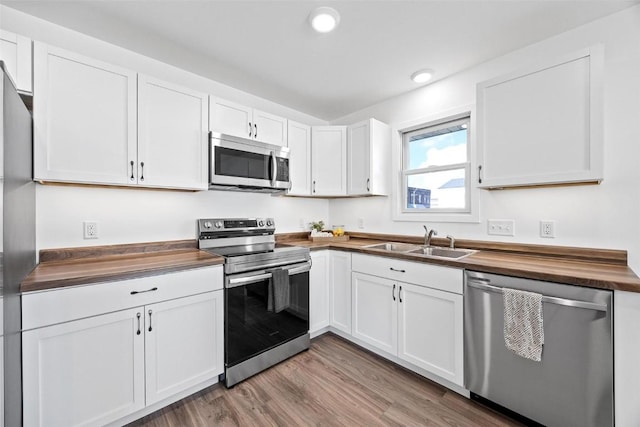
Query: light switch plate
x=501 y=227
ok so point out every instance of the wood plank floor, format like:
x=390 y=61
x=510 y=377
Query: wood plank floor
x=335 y=383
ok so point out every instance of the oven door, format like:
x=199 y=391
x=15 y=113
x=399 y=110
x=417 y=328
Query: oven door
x=242 y=162
x=250 y=327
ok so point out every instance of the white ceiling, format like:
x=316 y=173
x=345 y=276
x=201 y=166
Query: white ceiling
x=266 y=47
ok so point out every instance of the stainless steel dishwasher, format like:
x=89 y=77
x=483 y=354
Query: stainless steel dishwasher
x=573 y=384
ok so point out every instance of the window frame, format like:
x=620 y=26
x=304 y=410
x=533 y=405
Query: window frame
x=399 y=174
x=406 y=172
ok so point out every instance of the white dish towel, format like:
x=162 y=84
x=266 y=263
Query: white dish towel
x=523 y=325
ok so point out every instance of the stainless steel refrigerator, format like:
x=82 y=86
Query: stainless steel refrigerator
x=18 y=242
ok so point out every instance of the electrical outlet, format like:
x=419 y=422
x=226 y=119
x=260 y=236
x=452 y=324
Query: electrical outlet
x=91 y=229
x=501 y=227
x=303 y=224
x=548 y=229
x=360 y=222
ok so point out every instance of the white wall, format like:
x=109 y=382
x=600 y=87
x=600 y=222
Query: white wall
x=604 y=216
x=133 y=215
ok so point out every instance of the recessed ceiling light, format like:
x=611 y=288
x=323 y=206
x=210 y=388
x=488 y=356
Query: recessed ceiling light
x=324 y=19
x=422 y=76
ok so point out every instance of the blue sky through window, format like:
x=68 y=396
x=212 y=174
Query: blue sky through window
x=445 y=149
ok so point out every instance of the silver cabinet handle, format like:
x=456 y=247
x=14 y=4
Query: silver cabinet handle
x=250 y=130
x=553 y=300
x=393 y=293
x=399 y=271
x=141 y=292
x=150 y=313
x=368 y=182
x=141 y=171
x=255 y=134
x=132 y=177
x=138 y=315
x=400 y=293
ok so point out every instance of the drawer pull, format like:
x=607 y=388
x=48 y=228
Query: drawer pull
x=141 y=292
x=138 y=315
x=150 y=328
x=395 y=269
x=393 y=293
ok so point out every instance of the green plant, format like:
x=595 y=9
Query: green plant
x=318 y=226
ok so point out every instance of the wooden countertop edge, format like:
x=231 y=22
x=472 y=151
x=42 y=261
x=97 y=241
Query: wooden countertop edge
x=72 y=272
x=569 y=271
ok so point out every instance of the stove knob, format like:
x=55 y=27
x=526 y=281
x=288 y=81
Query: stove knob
x=218 y=224
x=207 y=224
x=261 y=223
x=269 y=223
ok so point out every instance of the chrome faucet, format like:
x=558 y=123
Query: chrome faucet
x=428 y=234
x=452 y=242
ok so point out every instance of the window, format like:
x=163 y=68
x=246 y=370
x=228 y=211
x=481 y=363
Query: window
x=436 y=167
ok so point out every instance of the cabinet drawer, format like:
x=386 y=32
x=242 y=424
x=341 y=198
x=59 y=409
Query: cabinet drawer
x=433 y=276
x=62 y=305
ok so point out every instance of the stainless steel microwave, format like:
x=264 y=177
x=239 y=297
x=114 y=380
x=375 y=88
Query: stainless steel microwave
x=241 y=164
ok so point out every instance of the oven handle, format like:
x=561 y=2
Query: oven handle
x=294 y=269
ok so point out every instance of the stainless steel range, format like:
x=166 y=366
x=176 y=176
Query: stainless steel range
x=266 y=294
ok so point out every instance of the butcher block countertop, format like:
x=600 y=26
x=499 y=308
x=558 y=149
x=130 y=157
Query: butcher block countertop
x=80 y=266
x=594 y=268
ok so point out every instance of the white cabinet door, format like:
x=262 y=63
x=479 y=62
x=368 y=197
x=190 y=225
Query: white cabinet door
x=369 y=158
x=172 y=136
x=340 y=290
x=430 y=330
x=299 y=143
x=375 y=311
x=359 y=158
x=15 y=51
x=269 y=128
x=329 y=160
x=87 y=372
x=543 y=124
x=184 y=344
x=84 y=119
x=230 y=118
x=319 y=291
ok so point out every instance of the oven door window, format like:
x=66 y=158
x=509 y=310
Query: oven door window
x=251 y=328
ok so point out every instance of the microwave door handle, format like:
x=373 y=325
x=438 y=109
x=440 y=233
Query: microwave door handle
x=274 y=168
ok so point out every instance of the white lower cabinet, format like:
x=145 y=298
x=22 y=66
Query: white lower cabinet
x=181 y=345
x=319 y=292
x=96 y=370
x=420 y=323
x=375 y=311
x=84 y=373
x=430 y=330
x=340 y=290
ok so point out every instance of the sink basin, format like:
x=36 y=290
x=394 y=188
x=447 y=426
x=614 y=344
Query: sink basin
x=394 y=247
x=432 y=251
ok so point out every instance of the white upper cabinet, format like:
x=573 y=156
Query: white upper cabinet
x=93 y=124
x=15 y=51
x=329 y=160
x=239 y=120
x=269 y=128
x=299 y=143
x=172 y=136
x=368 y=157
x=543 y=125
x=84 y=116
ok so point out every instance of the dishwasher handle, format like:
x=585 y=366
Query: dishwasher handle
x=482 y=285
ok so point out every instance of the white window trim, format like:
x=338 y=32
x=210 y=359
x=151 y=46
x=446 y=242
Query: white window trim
x=398 y=182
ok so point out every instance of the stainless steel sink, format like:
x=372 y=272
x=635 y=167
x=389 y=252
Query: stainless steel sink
x=394 y=247
x=431 y=251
